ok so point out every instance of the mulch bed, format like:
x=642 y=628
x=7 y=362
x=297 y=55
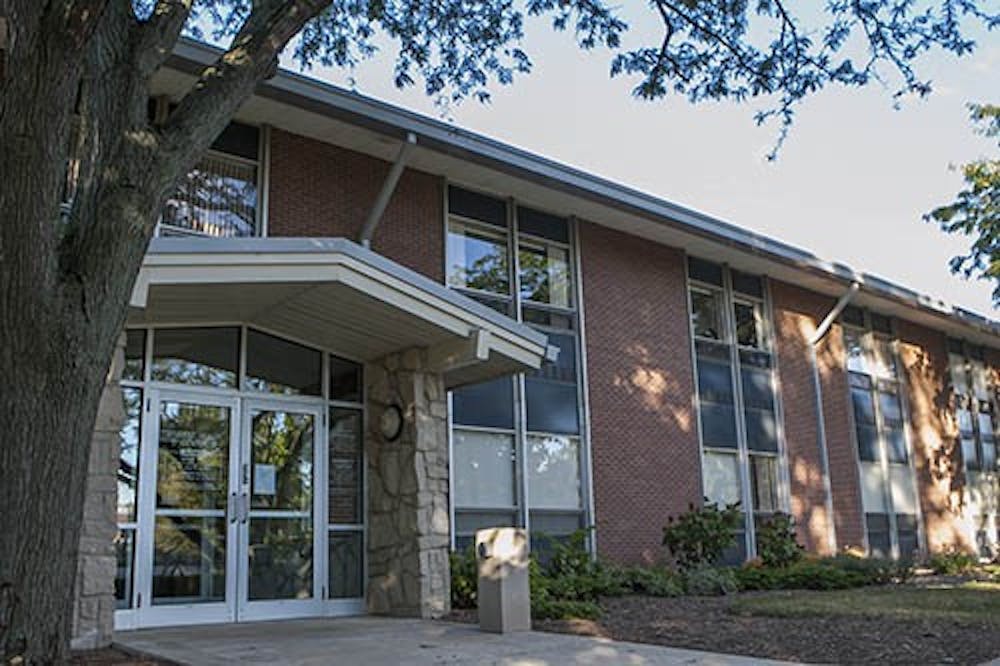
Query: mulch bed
x=114 y=656
x=706 y=623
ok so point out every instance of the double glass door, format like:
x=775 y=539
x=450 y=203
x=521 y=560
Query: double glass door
x=233 y=517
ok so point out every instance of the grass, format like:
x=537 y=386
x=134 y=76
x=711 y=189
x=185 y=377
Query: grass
x=967 y=603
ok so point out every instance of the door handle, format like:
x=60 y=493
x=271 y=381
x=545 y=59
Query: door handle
x=232 y=509
x=245 y=512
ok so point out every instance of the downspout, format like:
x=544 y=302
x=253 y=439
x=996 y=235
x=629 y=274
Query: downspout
x=388 y=187
x=824 y=458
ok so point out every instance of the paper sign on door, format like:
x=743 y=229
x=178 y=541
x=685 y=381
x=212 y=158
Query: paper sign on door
x=264 y=479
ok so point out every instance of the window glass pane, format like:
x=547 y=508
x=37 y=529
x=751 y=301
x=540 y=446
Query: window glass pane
x=706 y=309
x=542 y=225
x=867 y=442
x=278 y=366
x=864 y=406
x=722 y=478
x=959 y=376
x=718 y=416
x=989 y=448
x=238 y=139
x=345 y=380
x=762 y=430
x=548 y=527
x=124 y=569
x=280 y=558
x=885 y=359
x=979 y=384
x=985 y=424
x=970 y=452
x=345 y=474
x=552 y=406
x=128 y=457
x=477 y=258
x=704 y=271
x=747 y=333
x=467 y=522
x=906 y=532
x=189 y=559
x=488 y=404
x=892 y=413
x=881 y=324
x=563 y=369
x=477 y=206
x=218 y=197
x=757 y=393
x=135 y=353
x=964 y=421
x=879 y=544
x=855 y=351
x=715 y=382
x=853 y=315
x=346 y=565
x=207 y=356
x=748 y=284
x=764 y=483
x=553 y=472
x=547 y=318
x=544 y=273
x=484 y=469
x=718 y=425
x=895 y=439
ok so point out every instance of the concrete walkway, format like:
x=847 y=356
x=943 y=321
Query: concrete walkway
x=375 y=641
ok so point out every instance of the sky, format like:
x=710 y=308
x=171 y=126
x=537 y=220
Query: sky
x=850 y=184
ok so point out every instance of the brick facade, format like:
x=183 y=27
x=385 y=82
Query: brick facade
x=797 y=313
x=318 y=189
x=644 y=436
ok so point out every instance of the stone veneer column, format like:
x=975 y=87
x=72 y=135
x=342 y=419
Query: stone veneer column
x=408 y=519
x=94 y=592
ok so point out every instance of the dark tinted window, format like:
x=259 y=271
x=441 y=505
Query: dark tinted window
x=477 y=206
x=748 y=284
x=238 y=139
x=542 y=224
x=551 y=406
x=489 y=404
x=853 y=316
x=879 y=544
x=135 y=353
x=278 y=366
x=762 y=430
x=208 y=356
x=345 y=380
x=881 y=323
x=704 y=271
x=718 y=425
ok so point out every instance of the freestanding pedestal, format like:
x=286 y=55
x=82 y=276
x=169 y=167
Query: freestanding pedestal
x=504 y=594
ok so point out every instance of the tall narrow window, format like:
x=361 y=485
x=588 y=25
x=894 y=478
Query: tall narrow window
x=888 y=490
x=976 y=436
x=220 y=195
x=737 y=405
x=517 y=438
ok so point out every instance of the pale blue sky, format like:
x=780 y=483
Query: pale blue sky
x=850 y=184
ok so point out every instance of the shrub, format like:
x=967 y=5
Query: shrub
x=876 y=570
x=656 y=582
x=776 y=542
x=802 y=575
x=709 y=581
x=698 y=538
x=464 y=578
x=952 y=562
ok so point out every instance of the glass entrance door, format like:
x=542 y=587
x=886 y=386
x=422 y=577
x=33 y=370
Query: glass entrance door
x=187 y=540
x=280 y=560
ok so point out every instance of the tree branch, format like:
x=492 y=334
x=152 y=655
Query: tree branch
x=160 y=32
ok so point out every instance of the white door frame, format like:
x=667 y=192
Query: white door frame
x=147 y=614
x=247 y=610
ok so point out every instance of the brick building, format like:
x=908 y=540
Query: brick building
x=363 y=334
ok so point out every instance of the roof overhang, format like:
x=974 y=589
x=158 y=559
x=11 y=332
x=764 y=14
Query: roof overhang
x=310 y=107
x=333 y=294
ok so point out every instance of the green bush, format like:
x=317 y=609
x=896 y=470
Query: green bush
x=698 y=538
x=952 y=562
x=776 y=544
x=709 y=581
x=802 y=575
x=876 y=570
x=654 y=582
x=464 y=578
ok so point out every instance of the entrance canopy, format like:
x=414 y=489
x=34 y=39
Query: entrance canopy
x=331 y=293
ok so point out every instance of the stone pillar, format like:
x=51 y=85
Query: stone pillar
x=94 y=592
x=408 y=518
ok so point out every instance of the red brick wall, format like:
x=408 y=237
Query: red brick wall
x=797 y=313
x=318 y=189
x=644 y=437
x=937 y=453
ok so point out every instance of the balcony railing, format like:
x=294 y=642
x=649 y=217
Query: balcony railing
x=219 y=198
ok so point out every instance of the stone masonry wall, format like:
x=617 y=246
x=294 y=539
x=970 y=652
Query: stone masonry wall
x=94 y=594
x=408 y=519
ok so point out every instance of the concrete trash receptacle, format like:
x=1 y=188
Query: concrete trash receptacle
x=504 y=595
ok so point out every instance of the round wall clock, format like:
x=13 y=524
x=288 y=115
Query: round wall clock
x=391 y=423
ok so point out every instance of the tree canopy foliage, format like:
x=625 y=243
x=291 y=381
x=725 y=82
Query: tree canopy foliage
x=975 y=212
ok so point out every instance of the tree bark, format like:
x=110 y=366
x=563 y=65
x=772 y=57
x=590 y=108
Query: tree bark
x=66 y=280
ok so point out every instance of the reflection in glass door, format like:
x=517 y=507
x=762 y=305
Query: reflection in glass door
x=278 y=546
